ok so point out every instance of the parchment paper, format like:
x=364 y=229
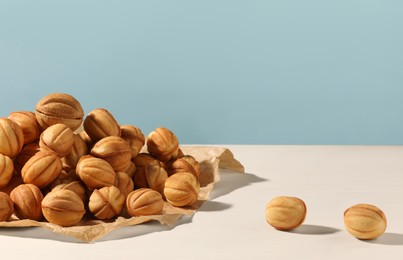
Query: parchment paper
x=211 y=160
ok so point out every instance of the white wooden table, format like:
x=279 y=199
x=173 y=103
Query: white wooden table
x=232 y=225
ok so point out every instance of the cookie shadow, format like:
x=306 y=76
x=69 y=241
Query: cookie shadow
x=231 y=181
x=392 y=239
x=38 y=233
x=210 y=205
x=128 y=232
x=314 y=230
x=125 y=232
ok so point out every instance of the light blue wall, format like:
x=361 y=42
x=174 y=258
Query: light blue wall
x=271 y=72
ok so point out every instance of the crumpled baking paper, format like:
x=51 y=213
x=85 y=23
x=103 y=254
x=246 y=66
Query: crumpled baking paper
x=211 y=160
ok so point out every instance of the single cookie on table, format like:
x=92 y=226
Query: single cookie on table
x=285 y=212
x=365 y=221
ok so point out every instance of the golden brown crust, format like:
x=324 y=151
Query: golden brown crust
x=27 y=199
x=42 y=169
x=285 y=212
x=113 y=149
x=181 y=189
x=187 y=163
x=63 y=207
x=129 y=169
x=59 y=108
x=30 y=127
x=365 y=221
x=163 y=144
x=6 y=170
x=141 y=161
x=57 y=138
x=12 y=138
x=6 y=207
x=75 y=186
x=156 y=177
x=106 y=203
x=86 y=139
x=27 y=152
x=100 y=123
x=78 y=150
x=134 y=137
x=144 y=202
x=124 y=183
x=95 y=172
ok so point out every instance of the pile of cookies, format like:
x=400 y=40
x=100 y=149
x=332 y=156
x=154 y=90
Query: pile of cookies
x=51 y=170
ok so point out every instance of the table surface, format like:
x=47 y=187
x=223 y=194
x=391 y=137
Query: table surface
x=232 y=224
